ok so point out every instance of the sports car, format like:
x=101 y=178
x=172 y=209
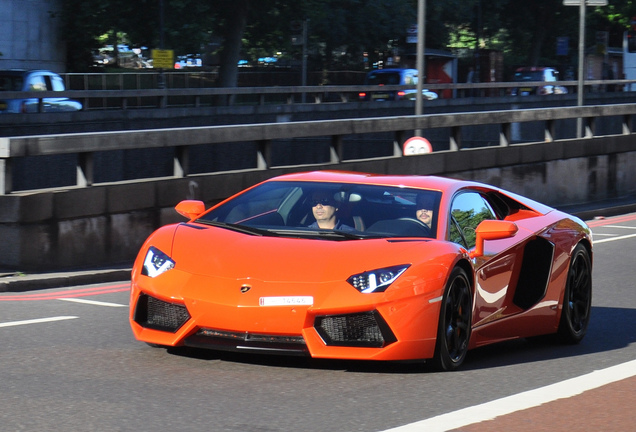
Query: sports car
x=345 y=265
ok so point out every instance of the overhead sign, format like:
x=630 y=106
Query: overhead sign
x=162 y=59
x=417 y=145
x=587 y=2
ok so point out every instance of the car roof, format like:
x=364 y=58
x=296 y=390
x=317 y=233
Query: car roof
x=533 y=69
x=415 y=181
x=448 y=186
x=392 y=70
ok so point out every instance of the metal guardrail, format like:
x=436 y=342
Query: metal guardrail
x=182 y=139
x=179 y=97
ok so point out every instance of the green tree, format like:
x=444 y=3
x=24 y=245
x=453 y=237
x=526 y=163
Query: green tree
x=340 y=31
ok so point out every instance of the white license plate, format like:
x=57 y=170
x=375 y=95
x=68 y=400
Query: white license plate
x=287 y=301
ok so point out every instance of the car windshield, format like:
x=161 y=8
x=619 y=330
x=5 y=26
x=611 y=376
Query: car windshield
x=529 y=76
x=291 y=209
x=384 y=78
x=11 y=82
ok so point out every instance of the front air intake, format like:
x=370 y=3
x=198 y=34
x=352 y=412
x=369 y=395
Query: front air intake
x=157 y=314
x=366 y=329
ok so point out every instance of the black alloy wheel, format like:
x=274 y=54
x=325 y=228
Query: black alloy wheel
x=577 y=300
x=455 y=318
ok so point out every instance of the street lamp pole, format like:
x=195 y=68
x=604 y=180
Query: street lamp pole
x=580 y=87
x=161 y=83
x=421 y=72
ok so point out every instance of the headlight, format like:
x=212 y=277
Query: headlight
x=376 y=280
x=156 y=263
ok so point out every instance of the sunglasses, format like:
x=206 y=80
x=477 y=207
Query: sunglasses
x=321 y=201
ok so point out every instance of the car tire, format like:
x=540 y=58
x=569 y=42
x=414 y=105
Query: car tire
x=455 y=318
x=577 y=299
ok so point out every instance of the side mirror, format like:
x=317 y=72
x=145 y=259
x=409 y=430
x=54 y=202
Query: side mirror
x=492 y=230
x=190 y=208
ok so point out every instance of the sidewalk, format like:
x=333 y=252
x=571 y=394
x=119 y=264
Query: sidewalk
x=18 y=282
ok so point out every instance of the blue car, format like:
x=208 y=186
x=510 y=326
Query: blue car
x=547 y=75
x=34 y=81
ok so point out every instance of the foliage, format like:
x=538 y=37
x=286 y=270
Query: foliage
x=341 y=32
x=468 y=221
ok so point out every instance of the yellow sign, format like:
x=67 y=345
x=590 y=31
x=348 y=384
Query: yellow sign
x=162 y=59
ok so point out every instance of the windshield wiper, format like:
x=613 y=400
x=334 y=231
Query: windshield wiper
x=289 y=232
x=235 y=227
x=336 y=234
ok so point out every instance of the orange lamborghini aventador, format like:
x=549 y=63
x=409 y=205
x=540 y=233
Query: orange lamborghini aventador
x=360 y=266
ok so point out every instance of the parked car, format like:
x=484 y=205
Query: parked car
x=386 y=77
x=535 y=74
x=34 y=81
x=359 y=266
x=188 y=61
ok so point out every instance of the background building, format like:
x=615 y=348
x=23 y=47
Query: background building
x=30 y=36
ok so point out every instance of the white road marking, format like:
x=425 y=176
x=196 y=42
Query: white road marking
x=620 y=226
x=36 y=321
x=522 y=401
x=93 y=302
x=615 y=238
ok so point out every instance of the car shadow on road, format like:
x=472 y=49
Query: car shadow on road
x=610 y=329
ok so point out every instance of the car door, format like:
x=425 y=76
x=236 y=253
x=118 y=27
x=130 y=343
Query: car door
x=34 y=82
x=495 y=269
x=48 y=81
x=55 y=83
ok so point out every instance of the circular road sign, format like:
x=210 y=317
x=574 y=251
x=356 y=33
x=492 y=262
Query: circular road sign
x=417 y=145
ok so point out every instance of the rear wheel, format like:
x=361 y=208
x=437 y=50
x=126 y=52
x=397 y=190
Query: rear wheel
x=453 y=333
x=577 y=300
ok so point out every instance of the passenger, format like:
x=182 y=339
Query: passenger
x=323 y=206
x=424 y=212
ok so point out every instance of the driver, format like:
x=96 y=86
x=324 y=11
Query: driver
x=424 y=212
x=323 y=207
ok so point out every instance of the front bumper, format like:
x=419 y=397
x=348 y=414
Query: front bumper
x=349 y=325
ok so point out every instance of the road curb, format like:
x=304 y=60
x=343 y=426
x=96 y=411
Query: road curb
x=20 y=283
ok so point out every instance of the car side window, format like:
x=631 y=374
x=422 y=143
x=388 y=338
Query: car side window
x=467 y=211
x=37 y=83
x=57 y=83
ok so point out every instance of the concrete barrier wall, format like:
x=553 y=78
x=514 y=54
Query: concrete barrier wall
x=106 y=224
x=31 y=36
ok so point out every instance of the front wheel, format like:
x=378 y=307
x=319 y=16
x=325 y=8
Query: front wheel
x=577 y=300
x=453 y=332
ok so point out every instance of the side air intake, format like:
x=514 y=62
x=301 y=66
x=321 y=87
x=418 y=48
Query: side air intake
x=367 y=329
x=157 y=314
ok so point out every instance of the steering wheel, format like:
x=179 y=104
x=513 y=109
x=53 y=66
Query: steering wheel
x=417 y=226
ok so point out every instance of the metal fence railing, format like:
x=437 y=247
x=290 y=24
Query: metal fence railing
x=141 y=90
x=260 y=138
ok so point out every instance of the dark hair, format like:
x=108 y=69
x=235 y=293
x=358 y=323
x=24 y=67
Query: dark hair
x=425 y=201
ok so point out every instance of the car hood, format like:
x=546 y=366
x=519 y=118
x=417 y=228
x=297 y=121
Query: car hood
x=225 y=253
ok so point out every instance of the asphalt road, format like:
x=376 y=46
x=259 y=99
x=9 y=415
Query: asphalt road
x=68 y=361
